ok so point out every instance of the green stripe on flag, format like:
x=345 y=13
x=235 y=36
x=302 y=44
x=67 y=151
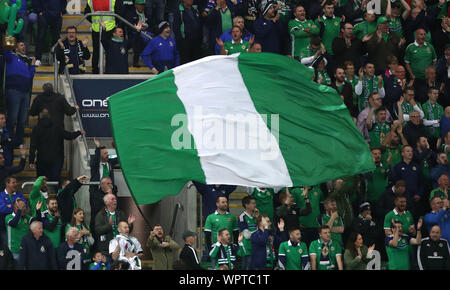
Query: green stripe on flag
x=317 y=136
x=141 y=119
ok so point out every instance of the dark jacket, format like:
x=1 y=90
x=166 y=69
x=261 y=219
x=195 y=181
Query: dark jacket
x=192 y=24
x=104 y=231
x=188 y=258
x=386 y=203
x=6 y=147
x=37 y=254
x=379 y=51
x=214 y=23
x=116 y=54
x=433 y=255
x=51 y=8
x=66 y=199
x=347 y=92
x=48 y=140
x=77 y=54
x=442 y=77
x=342 y=53
x=95 y=166
x=72 y=261
x=268 y=34
x=96 y=202
x=412 y=132
x=6 y=258
x=412 y=174
x=393 y=92
x=260 y=241
x=367 y=228
x=424 y=19
x=291 y=215
x=56 y=104
x=210 y=194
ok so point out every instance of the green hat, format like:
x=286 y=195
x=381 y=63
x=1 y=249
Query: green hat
x=382 y=19
x=142 y=2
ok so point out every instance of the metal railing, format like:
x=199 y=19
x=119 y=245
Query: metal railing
x=101 y=52
x=83 y=136
x=57 y=183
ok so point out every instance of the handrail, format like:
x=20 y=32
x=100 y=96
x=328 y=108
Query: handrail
x=101 y=13
x=175 y=213
x=78 y=117
x=56 y=183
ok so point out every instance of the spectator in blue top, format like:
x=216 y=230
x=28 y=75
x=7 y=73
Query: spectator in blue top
x=268 y=29
x=50 y=14
x=7 y=198
x=439 y=215
x=226 y=36
x=162 y=50
x=20 y=70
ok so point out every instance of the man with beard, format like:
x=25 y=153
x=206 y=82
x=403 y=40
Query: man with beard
x=52 y=222
x=162 y=248
x=399 y=213
x=345 y=90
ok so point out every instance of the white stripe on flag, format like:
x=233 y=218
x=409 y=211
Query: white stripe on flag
x=211 y=93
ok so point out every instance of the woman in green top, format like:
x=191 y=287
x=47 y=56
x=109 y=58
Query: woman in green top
x=356 y=253
x=85 y=236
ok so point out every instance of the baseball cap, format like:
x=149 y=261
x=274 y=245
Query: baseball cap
x=364 y=206
x=382 y=19
x=142 y=2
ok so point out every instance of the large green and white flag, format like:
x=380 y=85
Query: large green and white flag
x=251 y=119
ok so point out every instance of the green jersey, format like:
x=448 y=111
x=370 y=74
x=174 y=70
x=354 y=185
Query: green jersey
x=215 y=222
x=37 y=196
x=369 y=85
x=264 y=201
x=420 y=57
x=378 y=132
x=247 y=223
x=226 y=254
x=15 y=234
x=331 y=31
x=227 y=22
x=315 y=195
x=299 y=37
x=337 y=238
x=408 y=108
x=233 y=47
x=406 y=219
x=439 y=192
x=326 y=80
x=325 y=254
x=399 y=256
x=396 y=155
x=364 y=28
x=55 y=234
x=377 y=183
x=353 y=82
x=432 y=112
x=395 y=25
x=296 y=256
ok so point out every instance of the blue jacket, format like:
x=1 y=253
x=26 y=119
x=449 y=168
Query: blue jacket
x=210 y=194
x=260 y=242
x=393 y=92
x=37 y=254
x=437 y=171
x=50 y=8
x=268 y=34
x=440 y=218
x=413 y=176
x=19 y=74
x=226 y=36
x=6 y=205
x=163 y=53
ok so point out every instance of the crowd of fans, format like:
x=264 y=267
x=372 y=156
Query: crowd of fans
x=390 y=68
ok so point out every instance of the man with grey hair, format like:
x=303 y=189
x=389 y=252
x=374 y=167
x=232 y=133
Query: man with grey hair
x=96 y=197
x=70 y=254
x=36 y=250
x=107 y=221
x=126 y=248
x=414 y=128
